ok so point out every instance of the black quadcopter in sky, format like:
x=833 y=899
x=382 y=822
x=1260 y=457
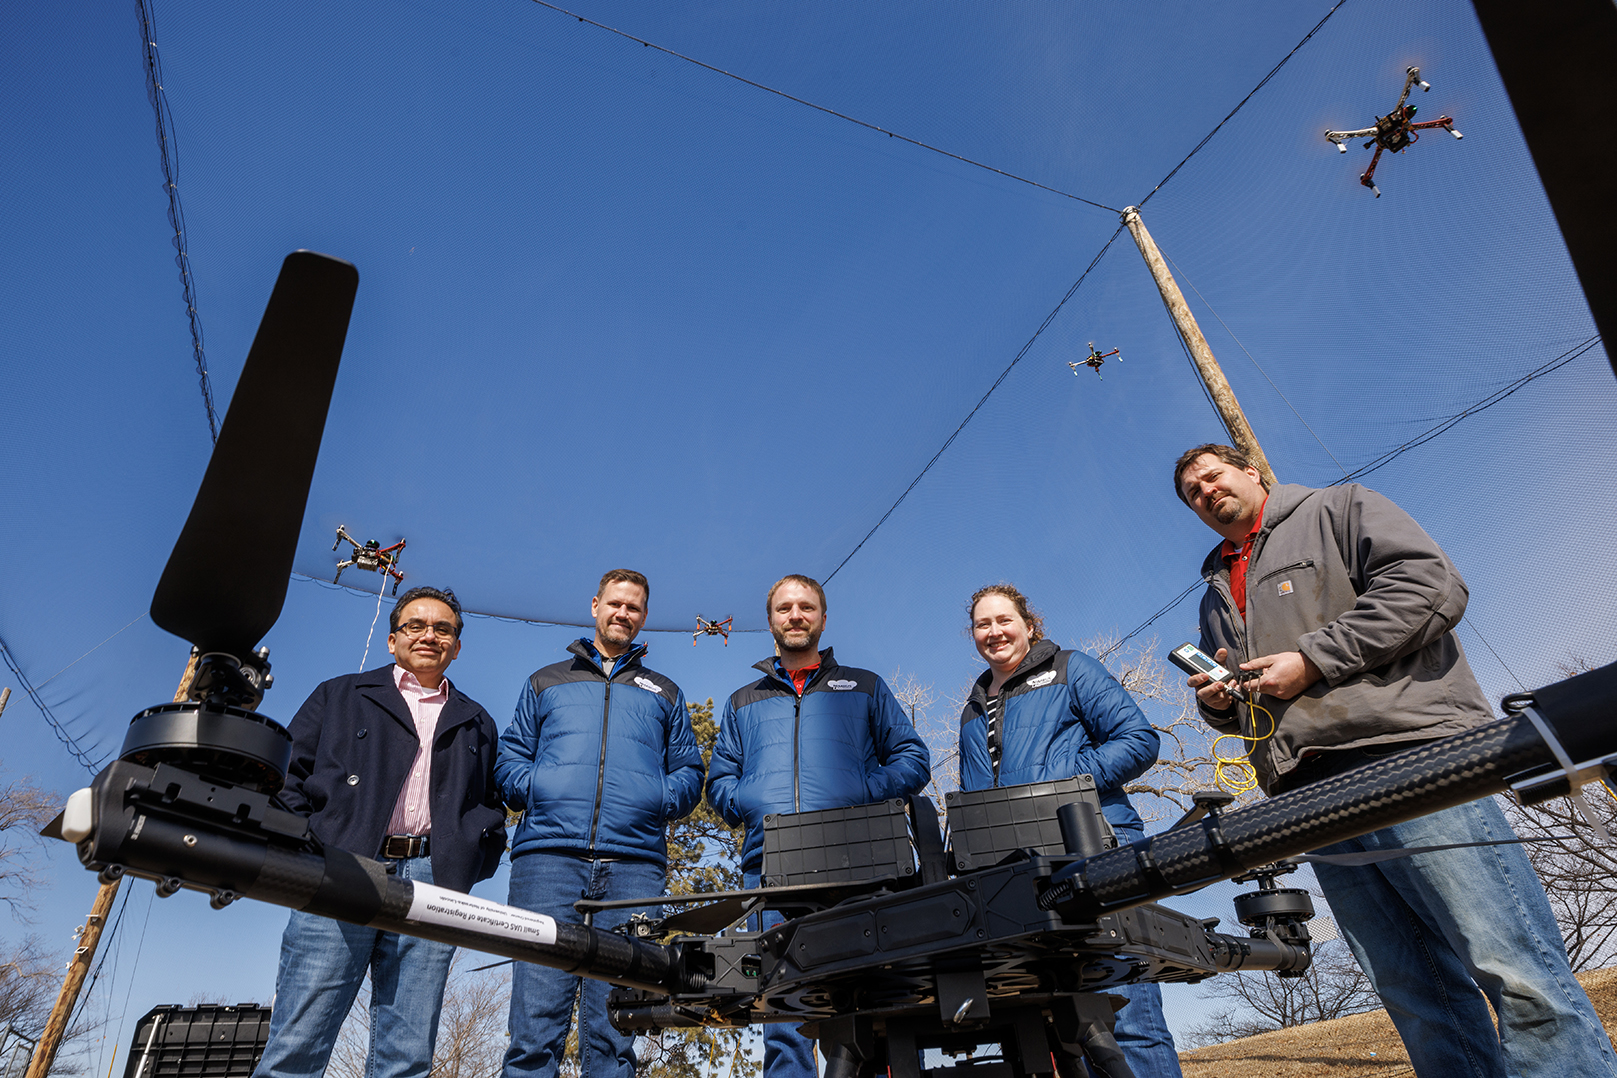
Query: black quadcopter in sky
x=712 y=628
x=371 y=556
x=1395 y=131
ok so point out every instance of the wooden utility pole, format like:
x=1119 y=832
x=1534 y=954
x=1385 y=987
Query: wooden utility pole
x=89 y=937
x=1218 y=387
x=5 y=697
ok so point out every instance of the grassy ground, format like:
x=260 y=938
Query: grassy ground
x=1361 y=1045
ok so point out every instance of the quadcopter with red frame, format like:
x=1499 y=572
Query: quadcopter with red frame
x=712 y=628
x=370 y=556
x=1395 y=131
x=1095 y=359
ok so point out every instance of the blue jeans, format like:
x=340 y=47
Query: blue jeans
x=323 y=963
x=1432 y=929
x=542 y=998
x=787 y=1053
x=1142 y=1029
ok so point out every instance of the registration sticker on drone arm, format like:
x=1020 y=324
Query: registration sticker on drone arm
x=431 y=905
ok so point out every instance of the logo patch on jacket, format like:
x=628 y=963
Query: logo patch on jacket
x=842 y=686
x=1039 y=681
x=1285 y=587
x=648 y=684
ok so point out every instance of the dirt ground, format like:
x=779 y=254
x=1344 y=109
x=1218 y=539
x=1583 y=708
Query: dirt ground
x=1363 y=1045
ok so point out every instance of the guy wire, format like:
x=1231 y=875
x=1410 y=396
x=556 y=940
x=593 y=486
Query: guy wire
x=821 y=108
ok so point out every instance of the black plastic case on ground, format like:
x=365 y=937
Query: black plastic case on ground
x=206 y=1041
x=986 y=825
x=846 y=845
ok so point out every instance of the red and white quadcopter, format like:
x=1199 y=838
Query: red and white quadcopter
x=1095 y=360
x=1395 y=131
x=712 y=628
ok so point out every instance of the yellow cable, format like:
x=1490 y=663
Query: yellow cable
x=1236 y=773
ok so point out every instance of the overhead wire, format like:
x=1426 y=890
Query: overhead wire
x=87 y=654
x=1023 y=351
x=821 y=108
x=1250 y=356
x=176 y=215
x=1242 y=103
x=515 y=619
x=1483 y=405
x=1197 y=149
x=79 y=752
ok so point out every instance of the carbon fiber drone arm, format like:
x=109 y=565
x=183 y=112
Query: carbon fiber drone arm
x=180 y=830
x=1478 y=763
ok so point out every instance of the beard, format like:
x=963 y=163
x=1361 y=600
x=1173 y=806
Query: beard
x=795 y=639
x=614 y=633
x=1228 y=508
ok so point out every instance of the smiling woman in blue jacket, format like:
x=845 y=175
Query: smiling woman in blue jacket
x=1038 y=714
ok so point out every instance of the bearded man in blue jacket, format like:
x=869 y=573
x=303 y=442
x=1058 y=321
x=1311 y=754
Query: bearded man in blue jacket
x=600 y=757
x=1039 y=714
x=808 y=735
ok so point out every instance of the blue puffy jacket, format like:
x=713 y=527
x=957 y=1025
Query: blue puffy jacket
x=844 y=742
x=599 y=764
x=1064 y=716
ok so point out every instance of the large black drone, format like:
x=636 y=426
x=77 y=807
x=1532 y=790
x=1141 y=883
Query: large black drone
x=1394 y=132
x=1012 y=943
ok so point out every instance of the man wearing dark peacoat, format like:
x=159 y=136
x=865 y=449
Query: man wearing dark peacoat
x=398 y=749
x=352 y=743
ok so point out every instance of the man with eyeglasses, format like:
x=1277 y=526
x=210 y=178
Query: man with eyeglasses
x=394 y=763
x=600 y=757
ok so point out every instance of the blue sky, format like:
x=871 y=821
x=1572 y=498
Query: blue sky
x=616 y=309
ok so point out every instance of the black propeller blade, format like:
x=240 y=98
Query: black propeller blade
x=226 y=579
x=708 y=919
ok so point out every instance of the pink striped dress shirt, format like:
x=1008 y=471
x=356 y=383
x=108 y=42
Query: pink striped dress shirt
x=412 y=815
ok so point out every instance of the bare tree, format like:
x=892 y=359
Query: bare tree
x=1186 y=764
x=1578 y=871
x=471 y=1029
x=24 y=809
x=936 y=720
x=30 y=976
x=1259 y=1002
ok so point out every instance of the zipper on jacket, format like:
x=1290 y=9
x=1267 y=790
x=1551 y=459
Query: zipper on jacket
x=1308 y=564
x=600 y=772
x=797 y=727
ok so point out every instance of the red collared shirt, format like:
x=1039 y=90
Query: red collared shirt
x=1237 y=558
x=800 y=677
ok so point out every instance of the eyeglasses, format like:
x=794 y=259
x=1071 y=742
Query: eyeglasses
x=413 y=629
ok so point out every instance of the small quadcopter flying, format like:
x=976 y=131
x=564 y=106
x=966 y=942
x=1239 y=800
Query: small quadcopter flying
x=1095 y=359
x=370 y=556
x=1394 y=131
x=712 y=628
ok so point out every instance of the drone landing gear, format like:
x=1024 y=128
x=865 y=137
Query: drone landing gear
x=1048 y=1040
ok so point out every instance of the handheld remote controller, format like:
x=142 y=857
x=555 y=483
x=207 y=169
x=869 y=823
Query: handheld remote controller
x=1193 y=660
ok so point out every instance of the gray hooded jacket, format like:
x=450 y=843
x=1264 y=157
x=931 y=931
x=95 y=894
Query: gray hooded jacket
x=1350 y=580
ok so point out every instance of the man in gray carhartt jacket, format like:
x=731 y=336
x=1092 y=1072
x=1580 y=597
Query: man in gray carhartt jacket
x=1347 y=609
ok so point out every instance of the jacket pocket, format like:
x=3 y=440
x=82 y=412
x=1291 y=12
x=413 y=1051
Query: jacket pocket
x=1293 y=567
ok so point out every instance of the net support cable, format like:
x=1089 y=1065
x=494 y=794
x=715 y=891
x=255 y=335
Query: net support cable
x=176 y=215
x=821 y=108
x=1051 y=317
x=1173 y=172
x=83 y=755
x=1261 y=84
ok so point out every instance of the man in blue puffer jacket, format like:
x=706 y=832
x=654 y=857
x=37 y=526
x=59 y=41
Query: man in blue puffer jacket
x=599 y=757
x=1038 y=714
x=808 y=735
